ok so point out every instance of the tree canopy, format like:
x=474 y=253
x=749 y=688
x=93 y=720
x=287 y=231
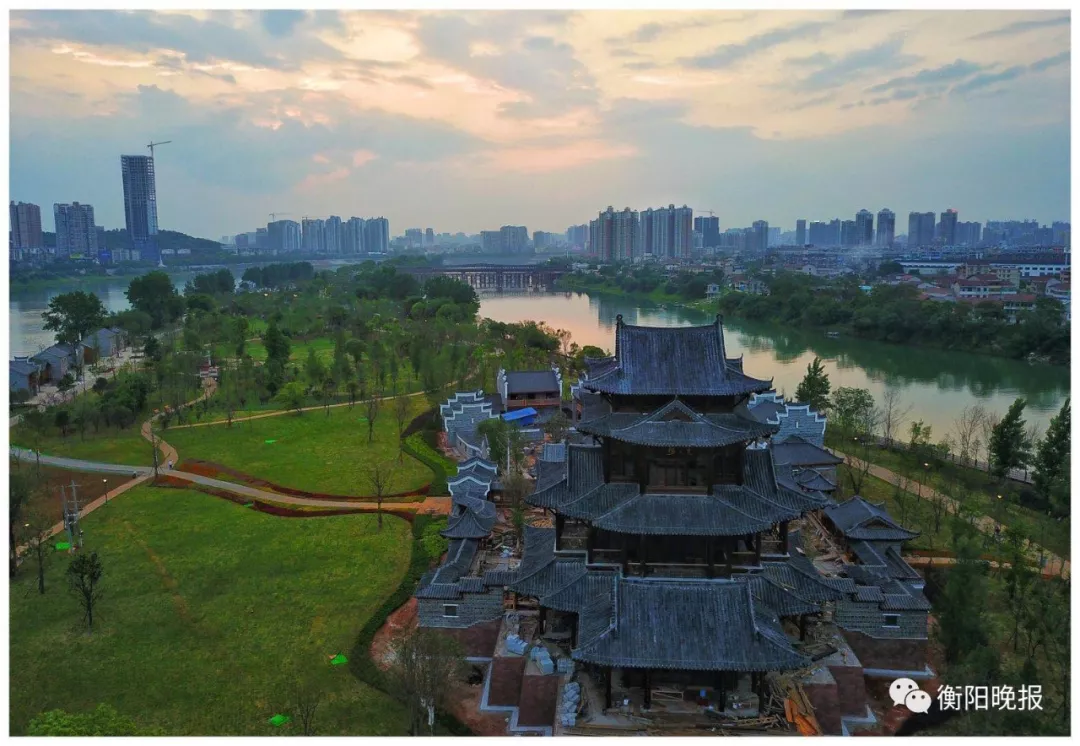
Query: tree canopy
x=73 y=316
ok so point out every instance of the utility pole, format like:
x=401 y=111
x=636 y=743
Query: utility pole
x=71 y=515
x=153 y=444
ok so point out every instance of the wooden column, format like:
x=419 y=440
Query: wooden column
x=729 y=550
x=607 y=688
x=802 y=626
x=624 y=540
x=783 y=537
x=590 y=540
x=543 y=620
x=709 y=557
x=641 y=552
x=757 y=549
x=648 y=689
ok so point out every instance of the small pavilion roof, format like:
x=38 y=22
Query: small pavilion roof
x=860 y=519
x=677 y=425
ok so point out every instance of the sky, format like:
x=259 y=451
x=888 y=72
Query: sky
x=466 y=121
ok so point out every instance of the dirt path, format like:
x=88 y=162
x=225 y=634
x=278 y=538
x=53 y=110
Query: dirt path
x=1054 y=564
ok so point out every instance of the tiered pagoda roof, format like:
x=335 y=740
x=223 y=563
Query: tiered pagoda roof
x=731 y=510
x=682 y=361
x=676 y=425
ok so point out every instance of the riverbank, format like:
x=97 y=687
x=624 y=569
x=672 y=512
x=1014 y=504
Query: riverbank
x=841 y=330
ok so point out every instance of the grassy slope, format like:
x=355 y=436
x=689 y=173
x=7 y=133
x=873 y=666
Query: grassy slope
x=312 y=451
x=203 y=602
x=110 y=445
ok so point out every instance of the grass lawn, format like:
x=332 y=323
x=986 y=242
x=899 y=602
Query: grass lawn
x=983 y=490
x=298 y=351
x=109 y=445
x=203 y=603
x=311 y=451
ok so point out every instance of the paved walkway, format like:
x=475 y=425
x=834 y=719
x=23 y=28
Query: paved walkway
x=985 y=523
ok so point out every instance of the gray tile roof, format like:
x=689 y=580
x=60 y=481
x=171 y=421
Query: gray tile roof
x=798 y=452
x=443 y=583
x=472 y=518
x=777 y=597
x=812 y=479
x=687 y=625
x=676 y=425
x=531 y=381
x=671 y=361
x=23 y=367
x=860 y=519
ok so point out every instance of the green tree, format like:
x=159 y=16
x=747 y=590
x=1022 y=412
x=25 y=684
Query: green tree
x=84 y=578
x=73 y=316
x=154 y=294
x=557 y=427
x=1052 y=461
x=104 y=720
x=291 y=396
x=961 y=627
x=853 y=411
x=814 y=388
x=1009 y=445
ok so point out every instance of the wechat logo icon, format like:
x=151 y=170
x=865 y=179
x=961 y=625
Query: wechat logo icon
x=906 y=692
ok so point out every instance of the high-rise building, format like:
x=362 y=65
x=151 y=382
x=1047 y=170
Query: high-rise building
x=429 y=237
x=334 y=235
x=414 y=236
x=75 y=230
x=864 y=228
x=848 y=233
x=491 y=242
x=968 y=233
x=614 y=235
x=140 y=204
x=920 y=229
x=578 y=235
x=262 y=239
x=760 y=230
x=800 y=232
x=682 y=231
x=515 y=239
x=377 y=235
x=26 y=227
x=886 y=227
x=774 y=235
x=284 y=236
x=354 y=236
x=1061 y=231
x=947 y=232
x=314 y=241
x=646 y=234
x=709 y=227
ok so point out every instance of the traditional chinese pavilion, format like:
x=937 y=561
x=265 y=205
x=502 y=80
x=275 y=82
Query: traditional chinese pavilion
x=670 y=562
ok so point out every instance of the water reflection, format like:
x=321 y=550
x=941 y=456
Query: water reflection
x=938 y=383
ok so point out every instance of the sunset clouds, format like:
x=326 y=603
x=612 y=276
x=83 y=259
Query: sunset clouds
x=470 y=120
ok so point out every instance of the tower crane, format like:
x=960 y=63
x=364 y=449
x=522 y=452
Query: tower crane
x=273 y=215
x=152 y=145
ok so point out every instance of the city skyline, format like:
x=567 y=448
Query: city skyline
x=470 y=120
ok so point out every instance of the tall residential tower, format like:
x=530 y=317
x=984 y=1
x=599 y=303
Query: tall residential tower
x=140 y=204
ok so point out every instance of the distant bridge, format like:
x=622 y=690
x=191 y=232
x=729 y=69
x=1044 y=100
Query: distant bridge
x=495 y=276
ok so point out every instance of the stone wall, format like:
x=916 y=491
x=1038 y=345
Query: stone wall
x=898 y=655
x=472 y=608
x=825 y=699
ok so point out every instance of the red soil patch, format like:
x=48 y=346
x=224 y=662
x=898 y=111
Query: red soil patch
x=89 y=486
x=218 y=471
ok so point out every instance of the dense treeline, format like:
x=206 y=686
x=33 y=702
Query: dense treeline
x=895 y=314
x=646 y=279
x=279 y=275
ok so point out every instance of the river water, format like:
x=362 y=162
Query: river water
x=936 y=383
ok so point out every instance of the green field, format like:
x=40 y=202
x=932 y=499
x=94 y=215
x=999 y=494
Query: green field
x=311 y=451
x=298 y=352
x=109 y=445
x=203 y=602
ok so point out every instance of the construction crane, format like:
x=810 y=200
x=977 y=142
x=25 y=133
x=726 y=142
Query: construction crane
x=153 y=144
x=273 y=215
x=710 y=213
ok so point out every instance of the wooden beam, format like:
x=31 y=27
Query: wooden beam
x=648 y=689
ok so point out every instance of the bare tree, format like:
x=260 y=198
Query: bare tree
x=968 y=427
x=84 y=576
x=372 y=406
x=381 y=476
x=305 y=693
x=401 y=413
x=892 y=414
x=989 y=422
x=902 y=497
x=37 y=532
x=425 y=665
x=858 y=468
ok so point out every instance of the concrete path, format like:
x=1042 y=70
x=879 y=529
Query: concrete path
x=75 y=464
x=985 y=523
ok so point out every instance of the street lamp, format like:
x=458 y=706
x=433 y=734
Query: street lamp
x=105 y=484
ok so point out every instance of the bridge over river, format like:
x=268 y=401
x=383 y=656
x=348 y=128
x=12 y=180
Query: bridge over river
x=495 y=276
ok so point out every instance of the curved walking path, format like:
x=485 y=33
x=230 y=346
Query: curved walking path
x=985 y=523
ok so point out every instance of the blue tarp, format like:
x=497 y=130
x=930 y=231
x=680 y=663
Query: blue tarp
x=523 y=416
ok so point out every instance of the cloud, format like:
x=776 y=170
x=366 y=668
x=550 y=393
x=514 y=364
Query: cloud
x=856 y=14
x=885 y=56
x=726 y=55
x=810 y=103
x=1047 y=62
x=650 y=32
x=955 y=70
x=816 y=59
x=1011 y=73
x=281 y=23
x=903 y=94
x=1021 y=27
x=640 y=65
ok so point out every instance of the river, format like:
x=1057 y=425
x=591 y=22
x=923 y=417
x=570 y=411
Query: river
x=936 y=383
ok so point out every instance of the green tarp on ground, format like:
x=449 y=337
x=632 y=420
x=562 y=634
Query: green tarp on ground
x=271 y=440
x=249 y=505
x=279 y=720
x=338 y=659
x=63 y=546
